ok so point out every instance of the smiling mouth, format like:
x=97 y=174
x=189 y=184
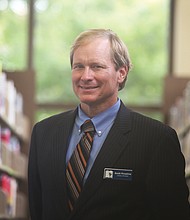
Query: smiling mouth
x=88 y=88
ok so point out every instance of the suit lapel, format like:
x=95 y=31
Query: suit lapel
x=115 y=143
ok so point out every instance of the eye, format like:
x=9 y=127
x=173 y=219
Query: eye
x=78 y=66
x=97 y=66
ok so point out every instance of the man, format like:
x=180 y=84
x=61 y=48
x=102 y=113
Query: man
x=135 y=169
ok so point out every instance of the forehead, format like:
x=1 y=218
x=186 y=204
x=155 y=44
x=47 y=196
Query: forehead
x=97 y=48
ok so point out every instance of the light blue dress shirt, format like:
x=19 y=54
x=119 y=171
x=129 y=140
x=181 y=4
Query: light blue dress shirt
x=102 y=123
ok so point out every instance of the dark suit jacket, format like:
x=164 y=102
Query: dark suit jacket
x=157 y=190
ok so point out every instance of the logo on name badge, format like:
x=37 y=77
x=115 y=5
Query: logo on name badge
x=108 y=174
x=117 y=174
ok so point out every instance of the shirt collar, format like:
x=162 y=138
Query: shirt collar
x=100 y=121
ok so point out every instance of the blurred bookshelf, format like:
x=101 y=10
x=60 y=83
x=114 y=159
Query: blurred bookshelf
x=176 y=109
x=179 y=119
x=16 y=115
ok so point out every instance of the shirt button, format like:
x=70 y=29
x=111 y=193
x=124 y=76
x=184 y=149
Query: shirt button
x=99 y=133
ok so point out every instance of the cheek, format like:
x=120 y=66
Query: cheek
x=113 y=81
x=74 y=78
x=74 y=82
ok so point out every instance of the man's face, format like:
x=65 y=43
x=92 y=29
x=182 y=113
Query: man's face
x=95 y=80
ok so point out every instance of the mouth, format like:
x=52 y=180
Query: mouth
x=88 y=87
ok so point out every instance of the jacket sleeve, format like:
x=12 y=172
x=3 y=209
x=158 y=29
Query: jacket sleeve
x=166 y=183
x=34 y=186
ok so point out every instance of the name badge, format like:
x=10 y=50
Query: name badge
x=117 y=174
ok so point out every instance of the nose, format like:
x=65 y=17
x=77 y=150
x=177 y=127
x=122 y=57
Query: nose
x=87 y=74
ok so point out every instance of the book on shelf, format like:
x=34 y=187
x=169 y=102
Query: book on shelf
x=180 y=111
x=186 y=152
x=11 y=106
x=11 y=157
x=180 y=121
x=8 y=186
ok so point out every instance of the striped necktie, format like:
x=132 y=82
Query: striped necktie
x=77 y=164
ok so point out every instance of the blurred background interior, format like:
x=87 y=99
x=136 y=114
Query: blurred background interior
x=35 y=82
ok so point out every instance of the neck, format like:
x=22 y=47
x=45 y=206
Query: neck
x=92 y=111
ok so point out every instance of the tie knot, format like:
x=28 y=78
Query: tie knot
x=88 y=126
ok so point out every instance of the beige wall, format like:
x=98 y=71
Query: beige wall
x=181 y=43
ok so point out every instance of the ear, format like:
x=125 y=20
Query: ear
x=122 y=73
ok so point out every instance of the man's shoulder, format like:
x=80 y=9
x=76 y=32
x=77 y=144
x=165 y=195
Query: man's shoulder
x=56 y=119
x=139 y=117
x=140 y=121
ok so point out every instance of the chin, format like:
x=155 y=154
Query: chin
x=89 y=101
